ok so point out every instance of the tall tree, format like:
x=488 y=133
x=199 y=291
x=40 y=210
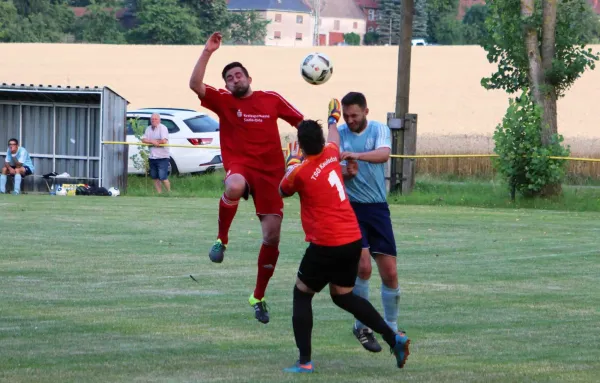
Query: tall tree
x=389 y=23
x=420 y=29
x=474 y=24
x=211 y=16
x=442 y=25
x=248 y=28
x=100 y=24
x=539 y=45
x=165 y=22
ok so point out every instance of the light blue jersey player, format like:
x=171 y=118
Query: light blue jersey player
x=17 y=163
x=368 y=145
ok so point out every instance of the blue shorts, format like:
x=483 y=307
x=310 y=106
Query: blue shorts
x=159 y=168
x=376 y=228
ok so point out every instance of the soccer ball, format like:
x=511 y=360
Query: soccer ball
x=114 y=192
x=61 y=191
x=316 y=68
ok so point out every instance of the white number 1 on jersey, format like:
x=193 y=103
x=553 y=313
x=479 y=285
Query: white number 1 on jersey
x=334 y=180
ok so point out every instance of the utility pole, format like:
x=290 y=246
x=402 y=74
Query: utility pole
x=402 y=124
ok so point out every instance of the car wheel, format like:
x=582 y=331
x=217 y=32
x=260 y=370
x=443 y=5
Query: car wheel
x=173 y=168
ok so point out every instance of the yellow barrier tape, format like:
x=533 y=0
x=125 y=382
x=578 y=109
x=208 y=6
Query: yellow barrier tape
x=486 y=155
x=392 y=155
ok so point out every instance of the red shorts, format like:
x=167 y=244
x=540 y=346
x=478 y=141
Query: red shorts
x=263 y=187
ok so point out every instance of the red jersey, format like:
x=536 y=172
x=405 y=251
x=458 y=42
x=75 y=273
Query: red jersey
x=325 y=211
x=248 y=127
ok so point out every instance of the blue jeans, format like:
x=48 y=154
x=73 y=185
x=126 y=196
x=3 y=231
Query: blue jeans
x=159 y=168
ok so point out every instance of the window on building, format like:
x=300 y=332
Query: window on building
x=298 y=36
x=278 y=17
x=336 y=25
x=277 y=35
x=299 y=19
x=355 y=25
x=371 y=14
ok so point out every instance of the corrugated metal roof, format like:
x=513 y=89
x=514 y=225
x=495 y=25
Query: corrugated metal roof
x=50 y=93
x=263 y=5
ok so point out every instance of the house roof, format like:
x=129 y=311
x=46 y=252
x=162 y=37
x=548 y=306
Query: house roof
x=341 y=9
x=264 y=5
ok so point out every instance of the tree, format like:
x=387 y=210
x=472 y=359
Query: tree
x=442 y=25
x=371 y=38
x=9 y=20
x=389 y=24
x=100 y=25
x=420 y=20
x=538 y=45
x=474 y=24
x=165 y=22
x=248 y=28
x=352 y=38
x=211 y=16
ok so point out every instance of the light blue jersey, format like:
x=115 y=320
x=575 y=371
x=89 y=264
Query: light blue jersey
x=22 y=156
x=369 y=184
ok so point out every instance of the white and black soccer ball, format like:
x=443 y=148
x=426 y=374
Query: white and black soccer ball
x=61 y=191
x=114 y=192
x=316 y=68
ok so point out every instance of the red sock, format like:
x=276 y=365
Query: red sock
x=267 y=259
x=227 y=210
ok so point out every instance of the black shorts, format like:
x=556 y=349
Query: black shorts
x=376 y=227
x=330 y=264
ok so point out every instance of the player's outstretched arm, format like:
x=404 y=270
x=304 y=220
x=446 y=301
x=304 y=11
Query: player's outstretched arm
x=334 y=113
x=197 y=78
x=376 y=156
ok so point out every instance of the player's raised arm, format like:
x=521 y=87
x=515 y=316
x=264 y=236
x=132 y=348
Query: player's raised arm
x=197 y=78
x=335 y=111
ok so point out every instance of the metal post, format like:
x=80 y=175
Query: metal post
x=53 y=137
x=89 y=111
x=101 y=138
x=21 y=123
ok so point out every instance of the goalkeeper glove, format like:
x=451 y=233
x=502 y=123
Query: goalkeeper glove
x=335 y=111
x=295 y=155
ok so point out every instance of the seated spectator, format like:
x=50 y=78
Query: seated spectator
x=18 y=164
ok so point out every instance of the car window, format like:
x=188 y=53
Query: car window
x=202 y=124
x=144 y=122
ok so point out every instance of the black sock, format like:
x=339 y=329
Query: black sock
x=364 y=311
x=302 y=321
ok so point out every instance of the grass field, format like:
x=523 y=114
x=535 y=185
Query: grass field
x=98 y=290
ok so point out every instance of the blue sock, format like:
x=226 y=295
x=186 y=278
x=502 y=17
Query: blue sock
x=17 y=189
x=3 y=179
x=361 y=288
x=390 y=299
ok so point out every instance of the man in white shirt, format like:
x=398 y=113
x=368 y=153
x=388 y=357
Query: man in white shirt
x=157 y=134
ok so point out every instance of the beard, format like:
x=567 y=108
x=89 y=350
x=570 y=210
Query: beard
x=240 y=91
x=359 y=126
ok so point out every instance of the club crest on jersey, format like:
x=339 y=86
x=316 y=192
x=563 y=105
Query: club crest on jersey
x=239 y=113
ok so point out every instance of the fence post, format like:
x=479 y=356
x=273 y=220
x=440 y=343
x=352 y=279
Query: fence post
x=409 y=148
x=394 y=168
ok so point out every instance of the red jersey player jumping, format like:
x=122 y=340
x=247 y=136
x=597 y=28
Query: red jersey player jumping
x=252 y=158
x=334 y=238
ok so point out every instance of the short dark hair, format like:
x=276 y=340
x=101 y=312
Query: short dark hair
x=310 y=137
x=232 y=65
x=355 y=98
x=13 y=139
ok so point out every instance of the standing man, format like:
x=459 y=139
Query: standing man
x=334 y=237
x=157 y=134
x=252 y=158
x=17 y=163
x=368 y=142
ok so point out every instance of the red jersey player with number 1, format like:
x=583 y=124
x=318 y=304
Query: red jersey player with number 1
x=252 y=158
x=334 y=238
